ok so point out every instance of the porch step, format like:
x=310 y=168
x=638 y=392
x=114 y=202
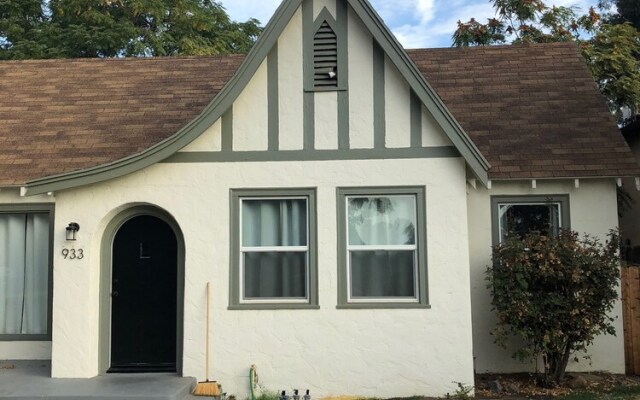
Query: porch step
x=30 y=380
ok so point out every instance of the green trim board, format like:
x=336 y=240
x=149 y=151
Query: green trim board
x=422 y=276
x=379 y=97
x=237 y=84
x=394 y=50
x=307 y=43
x=416 y=120
x=315 y=155
x=40 y=208
x=342 y=17
x=273 y=99
x=227 y=130
x=235 y=196
x=562 y=199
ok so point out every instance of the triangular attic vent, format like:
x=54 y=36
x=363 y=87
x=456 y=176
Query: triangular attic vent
x=325 y=57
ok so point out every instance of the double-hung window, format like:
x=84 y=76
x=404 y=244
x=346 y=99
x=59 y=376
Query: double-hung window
x=25 y=272
x=381 y=237
x=519 y=215
x=274 y=244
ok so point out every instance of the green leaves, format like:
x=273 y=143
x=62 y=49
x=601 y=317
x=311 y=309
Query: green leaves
x=613 y=55
x=554 y=293
x=111 y=28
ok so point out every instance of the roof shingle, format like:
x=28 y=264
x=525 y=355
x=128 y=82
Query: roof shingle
x=533 y=111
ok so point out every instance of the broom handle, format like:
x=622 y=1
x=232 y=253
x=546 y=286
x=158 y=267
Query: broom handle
x=207 y=332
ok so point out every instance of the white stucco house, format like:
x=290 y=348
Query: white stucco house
x=340 y=194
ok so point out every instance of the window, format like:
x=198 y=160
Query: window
x=25 y=272
x=273 y=245
x=522 y=214
x=381 y=237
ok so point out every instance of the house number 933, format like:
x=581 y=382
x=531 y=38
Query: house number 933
x=73 y=254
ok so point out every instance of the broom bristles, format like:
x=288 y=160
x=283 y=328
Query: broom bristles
x=207 y=389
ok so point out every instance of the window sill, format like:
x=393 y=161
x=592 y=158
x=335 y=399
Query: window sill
x=24 y=338
x=364 y=306
x=274 y=306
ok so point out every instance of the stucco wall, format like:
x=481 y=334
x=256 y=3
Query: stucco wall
x=593 y=210
x=365 y=352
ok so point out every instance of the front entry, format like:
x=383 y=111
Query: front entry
x=144 y=297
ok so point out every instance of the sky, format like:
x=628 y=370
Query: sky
x=416 y=23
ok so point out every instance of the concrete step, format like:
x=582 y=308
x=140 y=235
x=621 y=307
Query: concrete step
x=30 y=380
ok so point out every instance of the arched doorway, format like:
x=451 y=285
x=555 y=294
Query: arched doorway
x=142 y=331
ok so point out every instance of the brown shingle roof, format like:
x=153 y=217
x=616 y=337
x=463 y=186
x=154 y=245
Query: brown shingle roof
x=533 y=111
x=58 y=116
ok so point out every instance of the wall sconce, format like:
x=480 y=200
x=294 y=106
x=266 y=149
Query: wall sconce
x=72 y=230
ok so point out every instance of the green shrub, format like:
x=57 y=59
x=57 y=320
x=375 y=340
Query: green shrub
x=555 y=294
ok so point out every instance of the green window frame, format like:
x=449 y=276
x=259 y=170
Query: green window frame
x=27 y=209
x=560 y=202
x=240 y=250
x=420 y=298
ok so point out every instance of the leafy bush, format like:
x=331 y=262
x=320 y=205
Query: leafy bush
x=555 y=294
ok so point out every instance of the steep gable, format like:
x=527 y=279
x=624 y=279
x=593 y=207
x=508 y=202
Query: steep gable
x=241 y=93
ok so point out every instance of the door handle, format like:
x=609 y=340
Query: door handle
x=114 y=293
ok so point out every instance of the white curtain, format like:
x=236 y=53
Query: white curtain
x=379 y=222
x=274 y=223
x=24 y=273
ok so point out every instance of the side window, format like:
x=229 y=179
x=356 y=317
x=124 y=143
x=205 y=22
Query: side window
x=273 y=248
x=25 y=272
x=519 y=215
x=382 y=234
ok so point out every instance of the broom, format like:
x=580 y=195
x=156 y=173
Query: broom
x=207 y=388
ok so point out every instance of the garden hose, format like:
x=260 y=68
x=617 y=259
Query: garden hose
x=253 y=380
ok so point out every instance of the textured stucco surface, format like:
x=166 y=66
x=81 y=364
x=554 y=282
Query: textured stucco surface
x=593 y=210
x=290 y=78
x=326 y=120
x=330 y=351
x=397 y=108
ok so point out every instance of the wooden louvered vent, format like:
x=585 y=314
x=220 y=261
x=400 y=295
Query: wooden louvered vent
x=325 y=57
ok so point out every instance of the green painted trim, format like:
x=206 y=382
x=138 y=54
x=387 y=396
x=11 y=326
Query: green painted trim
x=342 y=19
x=394 y=50
x=308 y=108
x=343 y=121
x=36 y=208
x=325 y=15
x=421 y=211
x=379 y=97
x=370 y=306
x=106 y=253
x=307 y=44
x=563 y=199
x=234 y=253
x=309 y=127
x=283 y=306
x=236 y=85
x=342 y=24
x=314 y=155
x=416 y=120
x=273 y=98
x=227 y=130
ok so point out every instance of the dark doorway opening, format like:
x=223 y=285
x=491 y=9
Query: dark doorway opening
x=144 y=297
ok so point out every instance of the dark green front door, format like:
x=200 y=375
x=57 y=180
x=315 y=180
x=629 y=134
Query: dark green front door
x=144 y=297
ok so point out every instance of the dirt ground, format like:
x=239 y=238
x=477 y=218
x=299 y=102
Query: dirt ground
x=525 y=386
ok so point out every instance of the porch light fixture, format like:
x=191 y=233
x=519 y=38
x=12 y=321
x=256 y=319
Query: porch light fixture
x=72 y=230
